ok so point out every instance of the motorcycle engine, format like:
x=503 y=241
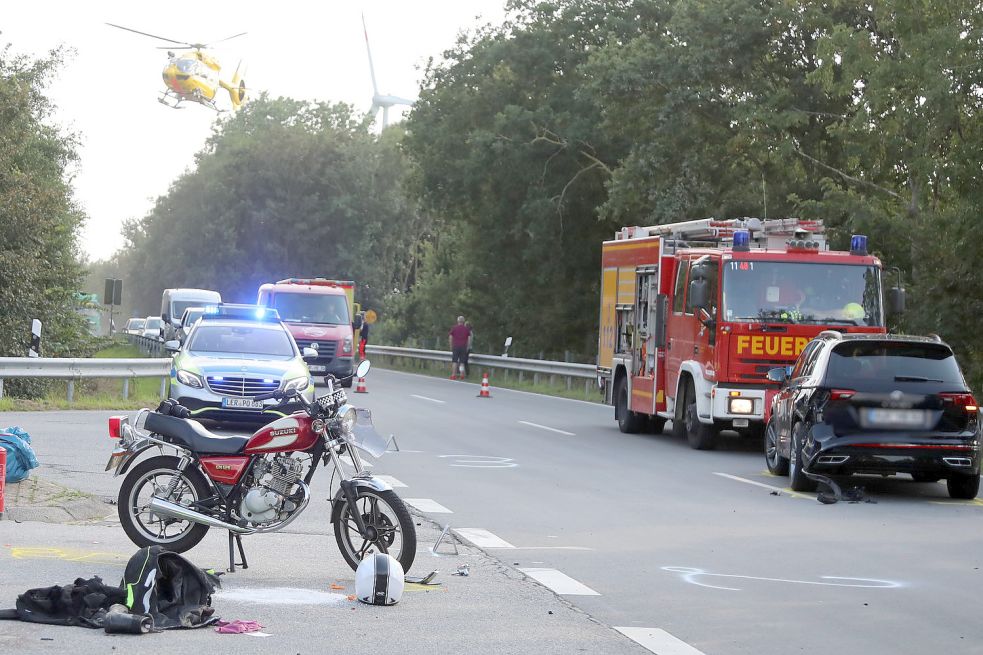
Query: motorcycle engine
x=267 y=498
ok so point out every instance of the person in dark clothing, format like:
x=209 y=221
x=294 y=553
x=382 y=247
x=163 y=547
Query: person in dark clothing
x=363 y=337
x=459 y=338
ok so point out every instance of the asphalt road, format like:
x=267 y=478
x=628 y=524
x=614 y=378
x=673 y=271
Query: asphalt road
x=668 y=545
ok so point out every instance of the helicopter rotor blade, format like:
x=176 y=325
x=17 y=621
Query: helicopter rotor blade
x=152 y=36
x=229 y=38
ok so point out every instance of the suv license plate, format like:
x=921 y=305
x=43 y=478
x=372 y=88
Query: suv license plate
x=894 y=418
x=317 y=368
x=242 y=403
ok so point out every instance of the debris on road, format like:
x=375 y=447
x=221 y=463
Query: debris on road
x=464 y=570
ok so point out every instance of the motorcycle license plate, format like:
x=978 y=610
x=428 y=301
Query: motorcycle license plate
x=317 y=368
x=241 y=403
x=115 y=459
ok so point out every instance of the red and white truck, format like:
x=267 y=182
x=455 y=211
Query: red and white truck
x=319 y=314
x=694 y=314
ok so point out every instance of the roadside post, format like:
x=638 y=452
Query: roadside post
x=35 y=349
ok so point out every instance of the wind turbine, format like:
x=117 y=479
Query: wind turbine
x=380 y=101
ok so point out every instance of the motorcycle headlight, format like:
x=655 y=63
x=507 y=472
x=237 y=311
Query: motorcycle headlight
x=297 y=384
x=190 y=379
x=346 y=419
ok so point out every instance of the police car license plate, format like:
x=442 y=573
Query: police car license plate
x=317 y=368
x=894 y=418
x=241 y=403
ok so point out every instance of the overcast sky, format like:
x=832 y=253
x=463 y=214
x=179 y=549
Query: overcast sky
x=133 y=147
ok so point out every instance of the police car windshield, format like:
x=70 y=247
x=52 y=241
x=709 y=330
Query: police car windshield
x=796 y=292
x=311 y=308
x=241 y=340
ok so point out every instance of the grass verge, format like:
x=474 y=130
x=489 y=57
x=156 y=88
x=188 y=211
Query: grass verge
x=94 y=393
x=497 y=378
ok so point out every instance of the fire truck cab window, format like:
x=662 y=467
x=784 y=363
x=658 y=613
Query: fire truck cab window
x=680 y=289
x=798 y=292
x=709 y=271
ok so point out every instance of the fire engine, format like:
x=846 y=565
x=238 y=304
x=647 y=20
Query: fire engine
x=694 y=314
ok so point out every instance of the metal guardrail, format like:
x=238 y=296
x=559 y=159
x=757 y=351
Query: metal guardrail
x=149 y=346
x=73 y=369
x=521 y=366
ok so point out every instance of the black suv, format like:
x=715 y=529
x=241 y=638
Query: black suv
x=882 y=404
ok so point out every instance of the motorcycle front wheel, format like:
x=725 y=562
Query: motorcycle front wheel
x=388 y=524
x=150 y=478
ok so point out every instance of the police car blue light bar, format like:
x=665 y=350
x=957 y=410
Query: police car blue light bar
x=249 y=312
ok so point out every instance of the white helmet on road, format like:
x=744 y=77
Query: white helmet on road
x=379 y=580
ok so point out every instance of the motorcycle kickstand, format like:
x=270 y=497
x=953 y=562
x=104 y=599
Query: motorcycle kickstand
x=242 y=553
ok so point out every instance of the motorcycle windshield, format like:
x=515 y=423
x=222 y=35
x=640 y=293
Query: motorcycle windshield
x=364 y=435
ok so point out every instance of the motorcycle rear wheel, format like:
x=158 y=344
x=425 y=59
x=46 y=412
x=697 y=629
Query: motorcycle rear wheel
x=383 y=513
x=147 y=529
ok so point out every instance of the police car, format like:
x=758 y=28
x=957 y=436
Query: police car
x=232 y=354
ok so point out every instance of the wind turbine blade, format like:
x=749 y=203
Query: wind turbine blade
x=365 y=31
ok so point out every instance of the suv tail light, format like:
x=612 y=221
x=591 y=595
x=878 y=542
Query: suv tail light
x=964 y=400
x=116 y=424
x=841 y=394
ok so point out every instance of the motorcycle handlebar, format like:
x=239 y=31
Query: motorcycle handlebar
x=268 y=396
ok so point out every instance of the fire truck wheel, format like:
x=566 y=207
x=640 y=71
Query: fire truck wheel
x=629 y=422
x=701 y=436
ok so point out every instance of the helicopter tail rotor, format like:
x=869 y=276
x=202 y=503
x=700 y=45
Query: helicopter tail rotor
x=237 y=87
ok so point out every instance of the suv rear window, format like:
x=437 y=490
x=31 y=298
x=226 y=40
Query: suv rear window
x=892 y=361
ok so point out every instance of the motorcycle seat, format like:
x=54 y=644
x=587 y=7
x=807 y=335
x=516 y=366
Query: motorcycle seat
x=193 y=435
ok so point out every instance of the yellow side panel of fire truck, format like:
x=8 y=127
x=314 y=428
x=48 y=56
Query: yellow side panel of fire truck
x=608 y=326
x=626 y=285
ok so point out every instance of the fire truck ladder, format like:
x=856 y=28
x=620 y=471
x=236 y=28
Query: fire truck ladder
x=721 y=231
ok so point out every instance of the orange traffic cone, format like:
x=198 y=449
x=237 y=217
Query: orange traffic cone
x=485 y=391
x=360 y=387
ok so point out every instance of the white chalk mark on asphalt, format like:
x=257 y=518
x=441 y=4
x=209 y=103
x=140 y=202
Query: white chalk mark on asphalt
x=427 y=505
x=658 y=641
x=393 y=482
x=560 y=583
x=690 y=575
x=481 y=461
x=762 y=485
x=546 y=427
x=433 y=400
x=282 y=596
x=482 y=538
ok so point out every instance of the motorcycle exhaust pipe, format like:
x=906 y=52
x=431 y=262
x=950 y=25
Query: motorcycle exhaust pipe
x=174 y=511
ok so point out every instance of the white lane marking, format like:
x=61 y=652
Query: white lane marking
x=552 y=548
x=689 y=575
x=560 y=583
x=762 y=484
x=482 y=538
x=658 y=641
x=393 y=482
x=427 y=505
x=282 y=596
x=481 y=461
x=599 y=405
x=433 y=400
x=546 y=427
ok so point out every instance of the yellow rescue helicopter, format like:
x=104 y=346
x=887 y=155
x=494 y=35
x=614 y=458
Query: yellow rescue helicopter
x=194 y=76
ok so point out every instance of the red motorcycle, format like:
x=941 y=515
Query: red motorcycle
x=259 y=483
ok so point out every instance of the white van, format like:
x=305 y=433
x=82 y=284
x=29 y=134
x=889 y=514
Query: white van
x=175 y=301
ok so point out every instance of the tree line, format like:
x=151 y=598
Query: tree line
x=535 y=139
